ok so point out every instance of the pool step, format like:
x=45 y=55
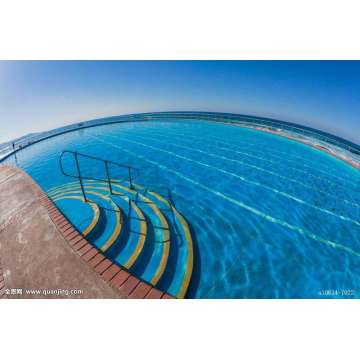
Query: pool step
x=139 y=230
x=177 y=278
x=110 y=219
x=157 y=259
x=85 y=216
x=158 y=254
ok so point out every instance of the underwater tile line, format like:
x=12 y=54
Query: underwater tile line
x=255 y=211
x=242 y=178
x=259 y=168
x=281 y=157
x=281 y=163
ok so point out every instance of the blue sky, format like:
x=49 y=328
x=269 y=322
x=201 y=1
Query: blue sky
x=42 y=95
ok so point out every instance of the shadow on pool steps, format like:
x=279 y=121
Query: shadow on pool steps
x=154 y=242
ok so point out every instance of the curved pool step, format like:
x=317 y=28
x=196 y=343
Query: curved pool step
x=113 y=218
x=152 y=228
x=156 y=263
x=183 y=268
x=137 y=234
x=85 y=219
x=124 y=252
x=155 y=267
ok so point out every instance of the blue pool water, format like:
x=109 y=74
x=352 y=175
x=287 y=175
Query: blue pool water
x=270 y=217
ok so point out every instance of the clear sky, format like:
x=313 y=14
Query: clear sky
x=41 y=95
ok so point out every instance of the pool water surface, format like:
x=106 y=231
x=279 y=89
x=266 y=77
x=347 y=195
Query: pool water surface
x=270 y=217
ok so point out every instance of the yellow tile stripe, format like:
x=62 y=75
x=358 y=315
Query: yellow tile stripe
x=166 y=233
x=141 y=239
x=96 y=213
x=189 y=243
x=56 y=189
x=166 y=241
x=143 y=225
x=118 y=218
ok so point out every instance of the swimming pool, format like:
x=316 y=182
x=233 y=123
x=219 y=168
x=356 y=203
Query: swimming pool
x=269 y=217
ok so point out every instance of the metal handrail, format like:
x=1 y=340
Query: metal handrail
x=80 y=177
x=167 y=190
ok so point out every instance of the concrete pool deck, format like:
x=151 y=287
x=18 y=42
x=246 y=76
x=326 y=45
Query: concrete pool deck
x=43 y=256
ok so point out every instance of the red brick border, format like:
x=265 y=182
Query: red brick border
x=117 y=277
